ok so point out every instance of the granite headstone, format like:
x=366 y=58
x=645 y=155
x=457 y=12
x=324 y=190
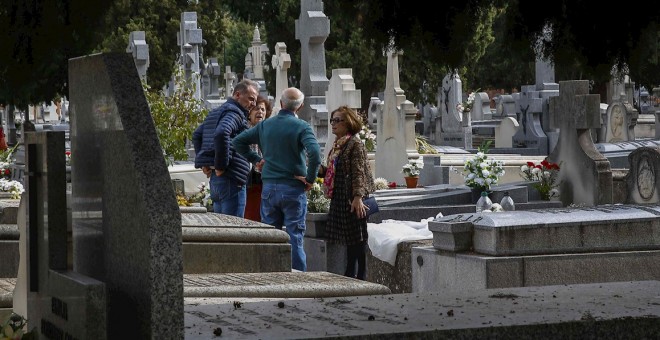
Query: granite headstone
x=125 y=219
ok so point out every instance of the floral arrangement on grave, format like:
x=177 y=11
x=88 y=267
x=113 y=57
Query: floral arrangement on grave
x=203 y=196
x=14 y=328
x=368 y=138
x=381 y=183
x=316 y=200
x=5 y=171
x=67 y=154
x=412 y=168
x=467 y=105
x=546 y=176
x=15 y=188
x=481 y=172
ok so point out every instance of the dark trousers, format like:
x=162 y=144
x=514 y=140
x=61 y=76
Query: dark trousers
x=356 y=254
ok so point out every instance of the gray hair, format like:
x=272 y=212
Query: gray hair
x=243 y=85
x=292 y=99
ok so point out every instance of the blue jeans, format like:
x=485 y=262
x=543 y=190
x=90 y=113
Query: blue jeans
x=227 y=195
x=286 y=205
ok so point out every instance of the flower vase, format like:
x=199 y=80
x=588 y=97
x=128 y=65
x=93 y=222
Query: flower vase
x=476 y=194
x=411 y=182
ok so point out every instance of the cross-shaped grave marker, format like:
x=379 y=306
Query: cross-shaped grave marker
x=585 y=173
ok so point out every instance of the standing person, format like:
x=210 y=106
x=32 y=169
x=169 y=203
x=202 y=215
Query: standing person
x=290 y=162
x=259 y=112
x=347 y=178
x=227 y=170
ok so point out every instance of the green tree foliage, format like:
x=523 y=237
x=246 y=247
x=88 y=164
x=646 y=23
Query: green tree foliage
x=161 y=21
x=38 y=38
x=489 y=42
x=176 y=116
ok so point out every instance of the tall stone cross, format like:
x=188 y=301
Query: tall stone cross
x=312 y=28
x=190 y=41
x=138 y=48
x=214 y=72
x=281 y=62
x=585 y=174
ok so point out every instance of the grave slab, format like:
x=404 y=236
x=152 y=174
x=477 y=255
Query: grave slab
x=290 y=284
x=629 y=310
x=614 y=227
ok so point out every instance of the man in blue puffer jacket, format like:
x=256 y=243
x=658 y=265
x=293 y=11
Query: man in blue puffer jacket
x=227 y=170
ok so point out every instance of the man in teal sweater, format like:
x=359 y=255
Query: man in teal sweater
x=291 y=160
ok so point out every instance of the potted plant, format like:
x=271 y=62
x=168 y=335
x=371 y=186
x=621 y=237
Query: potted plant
x=411 y=172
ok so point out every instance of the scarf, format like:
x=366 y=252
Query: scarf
x=333 y=156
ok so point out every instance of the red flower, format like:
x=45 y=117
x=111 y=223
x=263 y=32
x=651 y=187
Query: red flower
x=7 y=172
x=531 y=164
x=392 y=185
x=68 y=153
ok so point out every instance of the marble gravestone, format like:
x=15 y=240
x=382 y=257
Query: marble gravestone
x=125 y=219
x=455 y=127
x=396 y=130
x=530 y=134
x=585 y=176
x=61 y=304
x=642 y=180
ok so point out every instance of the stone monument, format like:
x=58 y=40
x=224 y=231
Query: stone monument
x=125 y=219
x=585 y=176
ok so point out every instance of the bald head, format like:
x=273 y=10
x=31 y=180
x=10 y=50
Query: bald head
x=292 y=99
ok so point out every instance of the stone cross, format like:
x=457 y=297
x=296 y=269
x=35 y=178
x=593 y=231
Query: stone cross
x=214 y=72
x=547 y=87
x=585 y=175
x=138 y=48
x=341 y=91
x=281 y=62
x=530 y=134
x=190 y=41
x=312 y=29
x=396 y=129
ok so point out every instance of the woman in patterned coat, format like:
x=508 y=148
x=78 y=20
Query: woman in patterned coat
x=347 y=178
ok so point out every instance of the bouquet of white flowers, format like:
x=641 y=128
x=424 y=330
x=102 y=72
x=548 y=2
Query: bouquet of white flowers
x=368 y=138
x=13 y=187
x=481 y=172
x=412 y=169
x=467 y=105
